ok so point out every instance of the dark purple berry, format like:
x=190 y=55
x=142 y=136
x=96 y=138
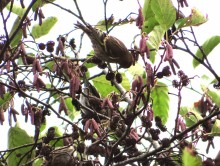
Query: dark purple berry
x=159 y=75
x=41 y=46
x=110 y=76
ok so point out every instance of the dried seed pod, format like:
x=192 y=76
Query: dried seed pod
x=140 y=19
x=2 y=90
x=133 y=134
x=137 y=83
x=40 y=84
x=143 y=47
x=2 y=117
x=168 y=53
x=22 y=49
x=36 y=13
x=183 y=2
x=74 y=86
x=24 y=30
x=150 y=75
x=87 y=125
x=62 y=106
x=12 y=112
x=22 y=3
x=96 y=127
x=41 y=16
x=38 y=66
x=60 y=47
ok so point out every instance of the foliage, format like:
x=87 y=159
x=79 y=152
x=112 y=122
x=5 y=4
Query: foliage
x=115 y=105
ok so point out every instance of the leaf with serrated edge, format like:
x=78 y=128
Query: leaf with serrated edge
x=47 y=25
x=149 y=17
x=207 y=48
x=155 y=37
x=104 y=87
x=17 y=9
x=19 y=137
x=189 y=159
x=165 y=12
x=161 y=100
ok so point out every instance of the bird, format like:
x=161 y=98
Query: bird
x=106 y=47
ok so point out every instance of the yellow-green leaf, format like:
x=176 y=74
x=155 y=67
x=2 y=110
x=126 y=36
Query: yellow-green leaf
x=149 y=17
x=207 y=48
x=190 y=159
x=18 y=36
x=16 y=9
x=216 y=128
x=47 y=25
x=161 y=100
x=165 y=12
x=4 y=102
x=155 y=38
x=40 y=3
x=19 y=137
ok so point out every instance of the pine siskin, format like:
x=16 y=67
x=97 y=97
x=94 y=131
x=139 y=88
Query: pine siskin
x=106 y=47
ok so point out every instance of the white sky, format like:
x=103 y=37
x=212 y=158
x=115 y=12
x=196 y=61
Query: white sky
x=92 y=9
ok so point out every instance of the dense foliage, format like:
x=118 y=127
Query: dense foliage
x=111 y=103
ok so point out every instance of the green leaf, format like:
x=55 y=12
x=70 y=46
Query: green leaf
x=149 y=17
x=103 y=86
x=161 y=100
x=4 y=102
x=207 y=47
x=196 y=18
x=190 y=159
x=216 y=128
x=47 y=25
x=102 y=24
x=18 y=36
x=19 y=137
x=125 y=82
x=50 y=65
x=38 y=162
x=214 y=95
x=165 y=12
x=155 y=39
x=137 y=69
x=16 y=9
x=191 y=115
x=40 y=3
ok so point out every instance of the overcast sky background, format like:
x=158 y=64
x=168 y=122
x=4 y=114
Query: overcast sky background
x=92 y=9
